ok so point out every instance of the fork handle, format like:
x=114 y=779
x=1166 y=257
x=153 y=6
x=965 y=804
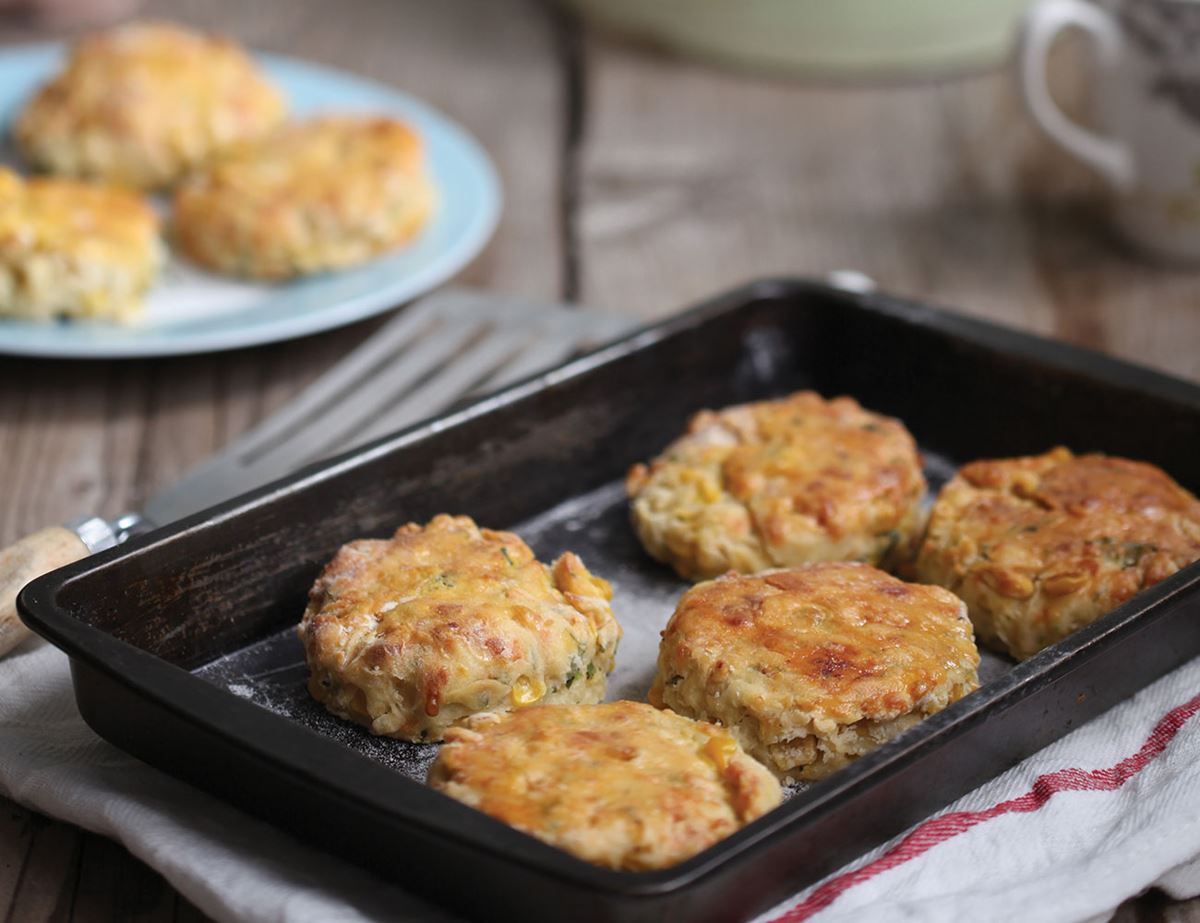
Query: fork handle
x=32 y=556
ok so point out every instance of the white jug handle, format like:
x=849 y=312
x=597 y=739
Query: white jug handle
x=1042 y=25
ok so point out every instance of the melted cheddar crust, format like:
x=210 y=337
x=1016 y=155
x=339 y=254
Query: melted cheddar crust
x=319 y=195
x=74 y=249
x=778 y=483
x=622 y=785
x=410 y=635
x=1040 y=546
x=141 y=104
x=813 y=666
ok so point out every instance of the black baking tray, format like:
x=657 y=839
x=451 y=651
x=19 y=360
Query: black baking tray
x=179 y=640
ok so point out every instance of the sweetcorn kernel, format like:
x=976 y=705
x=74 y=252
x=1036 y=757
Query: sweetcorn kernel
x=526 y=691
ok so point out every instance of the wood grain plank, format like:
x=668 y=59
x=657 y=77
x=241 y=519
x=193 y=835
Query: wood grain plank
x=109 y=884
x=113 y=885
x=45 y=890
x=694 y=179
x=16 y=835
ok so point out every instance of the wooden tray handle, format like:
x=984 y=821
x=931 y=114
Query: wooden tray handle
x=32 y=556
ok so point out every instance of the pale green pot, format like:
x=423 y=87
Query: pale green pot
x=837 y=37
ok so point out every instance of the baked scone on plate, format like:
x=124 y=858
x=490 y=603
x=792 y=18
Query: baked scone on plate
x=777 y=483
x=74 y=249
x=622 y=785
x=813 y=666
x=319 y=195
x=142 y=104
x=1042 y=545
x=410 y=635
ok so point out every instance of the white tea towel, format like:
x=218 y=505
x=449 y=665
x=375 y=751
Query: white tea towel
x=1066 y=836
x=1091 y=820
x=230 y=865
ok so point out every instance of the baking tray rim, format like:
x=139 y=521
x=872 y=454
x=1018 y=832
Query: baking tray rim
x=172 y=687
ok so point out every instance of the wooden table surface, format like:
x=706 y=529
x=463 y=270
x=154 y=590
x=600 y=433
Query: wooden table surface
x=636 y=182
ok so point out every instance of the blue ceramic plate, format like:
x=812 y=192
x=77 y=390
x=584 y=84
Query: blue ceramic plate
x=191 y=311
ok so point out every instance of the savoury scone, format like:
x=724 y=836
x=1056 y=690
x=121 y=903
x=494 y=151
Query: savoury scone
x=813 y=666
x=72 y=249
x=778 y=483
x=622 y=785
x=142 y=104
x=315 y=196
x=409 y=635
x=1043 y=545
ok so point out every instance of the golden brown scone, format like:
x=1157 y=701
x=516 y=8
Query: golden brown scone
x=73 y=249
x=410 y=635
x=778 y=483
x=1043 y=545
x=813 y=666
x=315 y=196
x=143 y=103
x=622 y=785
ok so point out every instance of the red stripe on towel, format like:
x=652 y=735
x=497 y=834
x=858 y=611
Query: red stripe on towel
x=939 y=829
